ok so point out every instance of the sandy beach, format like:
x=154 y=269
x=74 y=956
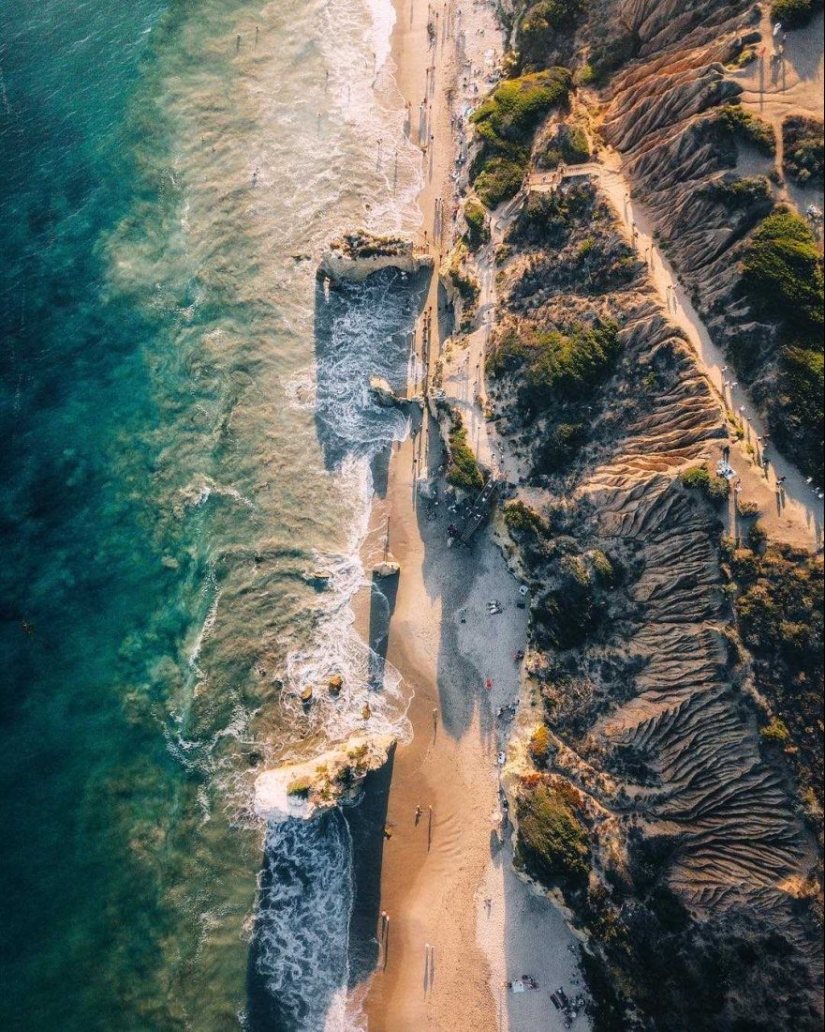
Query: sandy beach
x=459 y=921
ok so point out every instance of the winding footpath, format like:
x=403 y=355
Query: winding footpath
x=793 y=509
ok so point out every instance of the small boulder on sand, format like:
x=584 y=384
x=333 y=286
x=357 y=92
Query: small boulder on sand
x=382 y=392
x=387 y=567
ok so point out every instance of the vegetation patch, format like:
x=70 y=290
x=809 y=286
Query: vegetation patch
x=557 y=365
x=797 y=412
x=568 y=143
x=779 y=611
x=462 y=470
x=802 y=149
x=794 y=13
x=749 y=128
x=783 y=275
x=561 y=446
x=699 y=478
x=541 y=25
x=478 y=230
x=568 y=614
x=299 y=788
x=521 y=519
x=735 y=192
x=552 y=842
x=466 y=286
x=540 y=745
x=547 y=219
x=505 y=123
x=782 y=270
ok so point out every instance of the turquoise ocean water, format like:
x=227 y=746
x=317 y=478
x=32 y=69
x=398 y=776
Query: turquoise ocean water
x=186 y=432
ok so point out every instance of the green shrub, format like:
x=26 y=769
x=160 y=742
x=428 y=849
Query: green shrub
x=797 y=413
x=562 y=445
x=540 y=27
x=782 y=274
x=552 y=842
x=586 y=76
x=780 y=618
x=776 y=731
x=803 y=151
x=462 y=471
x=736 y=193
x=546 y=219
x=792 y=13
x=516 y=106
x=568 y=143
x=540 y=745
x=756 y=537
x=782 y=271
x=699 y=478
x=575 y=146
x=603 y=568
x=478 y=232
x=521 y=518
x=753 y=130
x=299 y=787
x=505 y=123
x=557 y=365
x=499 y=180
x=569 y=613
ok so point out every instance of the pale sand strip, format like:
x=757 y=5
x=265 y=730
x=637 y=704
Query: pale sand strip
x=437 y=872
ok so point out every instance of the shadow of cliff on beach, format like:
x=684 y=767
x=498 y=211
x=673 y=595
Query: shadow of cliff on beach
x=383 y=593
x=367 y=823
x=317 y=911
x=363 y=330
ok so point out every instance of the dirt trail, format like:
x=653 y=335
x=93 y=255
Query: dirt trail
x=791 y=84
x=793 y=511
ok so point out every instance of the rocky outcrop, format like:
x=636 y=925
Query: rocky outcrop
x=383 y=393
x=387 y=567
x=335 y=778
x=355 y=256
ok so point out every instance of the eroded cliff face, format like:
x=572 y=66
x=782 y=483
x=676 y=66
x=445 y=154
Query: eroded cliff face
x=664 y=111
x=633 y=654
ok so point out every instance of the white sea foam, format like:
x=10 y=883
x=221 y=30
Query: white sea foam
x=303 y=920
x=301 y=391
x=355 y=37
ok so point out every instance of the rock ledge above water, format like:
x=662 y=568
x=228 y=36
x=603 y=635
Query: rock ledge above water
x=335 y=778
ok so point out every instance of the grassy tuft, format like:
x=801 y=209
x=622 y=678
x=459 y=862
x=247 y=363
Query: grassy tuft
x=699 y=478
x=749 y=128
x=462 y=471
x=505 y=123
x=552 y=841
x=803 y=151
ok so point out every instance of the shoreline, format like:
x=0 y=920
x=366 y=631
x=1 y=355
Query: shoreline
x=460 y=919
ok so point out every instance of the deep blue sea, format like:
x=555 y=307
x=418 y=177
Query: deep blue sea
x=185 y=433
